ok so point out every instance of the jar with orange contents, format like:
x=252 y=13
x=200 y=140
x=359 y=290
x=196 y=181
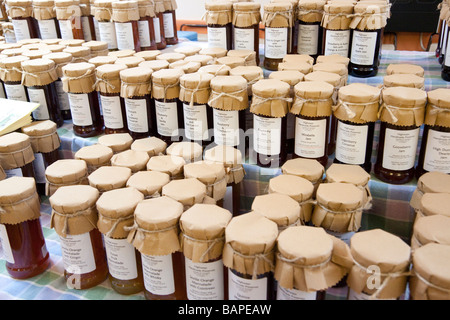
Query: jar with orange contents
x=158 y=24
x=170 y=22
x=146 y=27
x=68 y=13
x=125 y=15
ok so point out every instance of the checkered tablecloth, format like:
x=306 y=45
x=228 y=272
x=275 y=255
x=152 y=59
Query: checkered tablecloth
x=390 y=210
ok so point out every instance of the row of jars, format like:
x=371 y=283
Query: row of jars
x=314 y=27
x=138 y=25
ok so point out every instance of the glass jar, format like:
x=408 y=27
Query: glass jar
x=356 y=113
x=294 y=30
x=109 y=178
x=308 y=169
x=65 y=172
x=218 y=18
x=149 y=183
x=106 y=27
x=202 y=240
x=278 y=22
x=195 y=90
x=16 y=155
x=116 y=214
x=312 y=107
x=45 y=142
x=87 y=21
x=401 y=114
x=158 y=24
x=78 y=81
x=152 y=146
x=11 y=75
x=83 y=253
x=44 y=13
x=250 y=256
x=97 y=48
x=405 y=68
x=139 y=107
x=187 y=191
x=125 y=15
x=93 y=8
x=171 y=165
x=113 y=105
x=170 y=22
x=309 y=17
x=251 y=59
x=39 y=79
x=118 y=142
x=168 y=107
x=246 y=20
x=270 y=105
x=155 y=235
x=95 y=156
x=429 y=182
x=430 y=229
x=21 y=234
x=146 y=27
x=68 y=13
x=131 y=159
x=79 y=53
x=434 y=149
x=336 y=21
x=21 y=14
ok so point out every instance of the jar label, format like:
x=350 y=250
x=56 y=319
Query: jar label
x=47 y=29
x=437 y=152
x=204 y=281
x=39 y=168
x=63 y=97
x=244 y=39
x=15 y=92
x=2 y=91
x=86 y=27
x=17 y=172
x=246 y=289
x=400 y=148
x=310 y=138
x=157 y=28
x=158 y=274
x=276 y=43
x=97 y=31
x=136 y=110
x=308 y=39
x=38 y=96
x=351 y=142
x=80 y=109
x=125 y=36
x=144 y=33
x=5 y=245
x=217 y=37
x=21 y=29
x=363 y=47
x=294 y=294
x=168 y=25
x=107 y=31
x=445 y=48
x=65 y=26
x=267 y=135
x=77 y=253
x=337 y=42
x=226 y=127
x=121 y=257
x=195 y=122
x=112 y=112
x=10 y=37
x=166 y=118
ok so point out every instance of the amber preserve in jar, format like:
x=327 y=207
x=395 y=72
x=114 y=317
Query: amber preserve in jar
x=68 y=13
x=125 y=15
x=218 y=18
x=170 y=22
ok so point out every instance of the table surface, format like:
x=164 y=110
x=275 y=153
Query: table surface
x=390 y=210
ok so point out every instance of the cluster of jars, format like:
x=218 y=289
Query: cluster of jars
x=134 y=24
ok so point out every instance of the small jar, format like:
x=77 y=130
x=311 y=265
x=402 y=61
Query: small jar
x=219 y=15
x=78 y=81
x=401 y=114
x=106 y=27
x=204 y=59
x=429 y=182
x=11 y=75
x=152 y=145
x=189 y=151
x=158 y=24
x=149 y=183
x=246 y=20
x=336 y=21
x=16 y=155
x=155 y=235
x=299 y=189
x=170 y=22
x=278 y=22
x=230 y=61
x=21 y=234
x=430 y=229
x=186 y=191
x=68 y=13
x=381 y=255
x=249 y=255
x=146 y=28
x=95 y=156
x=115 y=215
x=130 y=62
x=125 y=15
x=21 y=14
x=87 y=21
x=72 y=42
x=309 y=17
x=170 y=57
x=65 y=172
x=118 y=142
x=74 y=218
x=136 y=88
x=312 y=108
x=109 y=178
x=45 y=142
x=434 y=149
x=333 y=58
x=113 y=105
x=98 y=48
x=171 y=165
x=36 y=53
x=134 y=160
x=309 y=169
x=356 y=113
x=122 y=53
x=270 y=105
x=308 y=262
x=202 y=240
x=44 y=13
x=195 y=90
x=303 y=67
x=168 y=107
x=39 y=79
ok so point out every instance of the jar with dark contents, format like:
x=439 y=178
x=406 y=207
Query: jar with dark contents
x=68 y=13
x=246 y=20
x=158 y=24
x=168 y=107
x=309 y=17
x=11 y=76
x=78 y=81
x=136 y=86
x=170 y=22
x=93 y=8
x=336 y=36
x=146 y=27
x=125 y=15
x=44 y=13
x=278 y=22
x=294 y=29
x=106 y=27
x=87 y=21
x=16 y=155
x=219 y=15
x=21 y=14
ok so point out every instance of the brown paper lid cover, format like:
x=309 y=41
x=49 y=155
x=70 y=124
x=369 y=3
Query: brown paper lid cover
x=339 y=196
x=186 y=66
x=292 y=77
x=231 y=61
x=278 y=15
x=187 y=191
x=215 y=52
x=15 y=150
x=165 y=83
x=403 y=106
x=298 y=58
x=313 y=99
x=149 y=183
x=298 y=188
x=172 y=165
x=332 y=78
x=434 y=181
x=248 y=55
x=271 y=98
x=195 y=87
x=437 y=112
x=19 y=8
x=148 y=55
x=78 y=77
x=189 y=151
x=108 y=77
x=204 y=59
x=43 y=136
x=229 y=93
x=125 y=11
x=188 y=50
x=348 y=173
x=309 y=169
x=152 y=145
x=116 y=141
x=303 y=67
x=135 y=160
x=278 y=207
x=108 y=178
x=122 y=53
x=171 y=56
x=215 y=69
x=431 y=262
x=158 y=213
x=95 y=154
x=405 y=68
x=435 y=203
x=154 y=65
x=66 y=171
x=101 y=60
x=431 y=229
x=404 y=80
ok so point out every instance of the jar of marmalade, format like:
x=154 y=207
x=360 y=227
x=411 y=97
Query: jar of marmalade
x=219 y=15
x=23 y=242
x=21 y=14
x=170 y=22
x=115 y=214
x=336 y=20
x=146 y=28
x=246 y=20
x=68 y=13
x=158 y=24
x=16 y=155
x=44 y=13
x=125 y=15
x=74 y=218
x=106 y=27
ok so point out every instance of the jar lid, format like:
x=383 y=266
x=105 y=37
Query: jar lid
x=332 y=65
x=403 y=106
x=152 y=145
x=204 y=59
x=55 y=48
x=211 y=174
x=403 y=80
x=249 y=73
x=218 y=5
x=431 y=229
x=66 y=171
x=13 y=52
x=43 y=136
x=189 y=151
x=78 y=77
x=72 y=42
x=249 y=56
x=130 y=62
x=292 y=77
x=405 y=68
x=97 y=46
x=15 y=189
x=10 y=68
x=125 y=11
x=303 y=67
x=435 y=203
x=430 y=182
x=358 y=103
x=148 y=55
x=79 y=53
x=135 y=160
x=298 y=188
x=309 y=169
x=186 y=66
x=246 y=6
x=149 y=183
x=117 y=141
x=439 y=97
x=172 y=165
x=215 y=52
x=107 y=178
x=19 y=8
x=187 y=191
x=315 y=90
x=101 y=60
x=15 y=150
x=95 y=155
x=54 y=41
x=136 y=81
x=339 y=196
x=215 y=69
x=195 y=88
x=236 y=89
x=278 y=207
x=35 y=53
x=271 y=98
x=154 y=65
x=231 y=61
x=404 y=97
x=298 y=58
x=108 y=77
x=171 y=56
x=188 y=50
x=122 y=53
x=332 y=78
x=348 y=173
x=146 y=8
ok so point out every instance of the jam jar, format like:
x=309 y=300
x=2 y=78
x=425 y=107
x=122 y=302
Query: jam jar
x=45 y=15
x=336 y=34
x=218 y=17
x=68 y=13
x=170 y=22
x=21 y=14
x=246 y=20
x=146 y=27
x=125 y=15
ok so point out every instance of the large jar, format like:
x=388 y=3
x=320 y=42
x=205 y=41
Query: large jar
x=21 y=14
x=106 y=27
x=309 y=17
x=336 y=35
x=218 y=17
x=170 y=22
x=401 y=114
x=125 y=15
x=11 y=75
x=44 y=13
x=16 y=155
x=246 y=19
x=68 y=13
x=146 y=27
